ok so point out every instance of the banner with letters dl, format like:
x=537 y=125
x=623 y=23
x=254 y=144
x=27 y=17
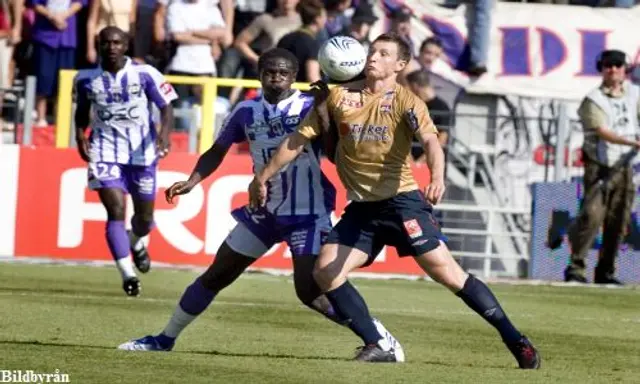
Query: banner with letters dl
x=535 y=50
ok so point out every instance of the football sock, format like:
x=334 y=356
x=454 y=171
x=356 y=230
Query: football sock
x=195 y=299
x=348 y=304
x=119 y=246
x=139 y=229
x=323 y=306
x=135 y=241
x=478 y=297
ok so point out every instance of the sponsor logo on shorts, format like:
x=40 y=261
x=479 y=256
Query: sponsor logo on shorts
x=420 y=242
x=413 y=228
x=298 y=241
x=145 y=185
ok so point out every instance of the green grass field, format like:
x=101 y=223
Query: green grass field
x=72 y=318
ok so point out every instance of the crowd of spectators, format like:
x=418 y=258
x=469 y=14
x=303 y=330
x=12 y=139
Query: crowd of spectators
x=221 y=38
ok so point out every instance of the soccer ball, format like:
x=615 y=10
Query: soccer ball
x=342 y=58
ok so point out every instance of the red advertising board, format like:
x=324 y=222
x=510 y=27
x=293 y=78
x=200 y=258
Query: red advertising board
x=58 y=217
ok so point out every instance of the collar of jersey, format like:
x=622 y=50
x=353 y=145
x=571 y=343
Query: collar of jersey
x=271 y=108
x=127 y=63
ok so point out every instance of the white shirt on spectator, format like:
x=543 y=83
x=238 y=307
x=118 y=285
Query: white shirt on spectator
x=183 y=16
x=167 y=2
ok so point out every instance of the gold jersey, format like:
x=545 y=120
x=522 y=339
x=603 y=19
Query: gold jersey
x=373 y=155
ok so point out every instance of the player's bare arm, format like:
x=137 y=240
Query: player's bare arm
x=288 y=150
x=81 y=118
x=207 y=163
x=163 y=142
x=435 y=161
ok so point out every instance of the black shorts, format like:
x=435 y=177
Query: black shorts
x=404 y=221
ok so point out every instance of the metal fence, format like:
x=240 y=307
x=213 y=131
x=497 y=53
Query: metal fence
x=18 y=104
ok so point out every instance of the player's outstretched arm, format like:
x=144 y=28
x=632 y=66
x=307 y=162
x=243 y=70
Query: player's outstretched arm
x=207 y=163
x=288 y=150
x=163 y=143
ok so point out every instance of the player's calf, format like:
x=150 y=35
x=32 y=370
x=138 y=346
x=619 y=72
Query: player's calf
x=441 y=266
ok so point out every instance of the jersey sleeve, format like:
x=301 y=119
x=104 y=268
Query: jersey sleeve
x=310 y=126
x=417 y=116
x=232 y=130
x=157 y=89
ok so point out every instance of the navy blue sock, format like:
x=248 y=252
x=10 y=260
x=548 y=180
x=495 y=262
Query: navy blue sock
x=479 y=298
x=348 y=304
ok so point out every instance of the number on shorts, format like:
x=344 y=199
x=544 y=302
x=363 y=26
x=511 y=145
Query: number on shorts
x=107 y=171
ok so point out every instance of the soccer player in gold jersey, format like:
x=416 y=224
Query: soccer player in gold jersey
x=376 y=119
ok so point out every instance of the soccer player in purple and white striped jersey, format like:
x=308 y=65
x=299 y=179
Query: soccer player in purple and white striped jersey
x=124 y=146
x=300 y=201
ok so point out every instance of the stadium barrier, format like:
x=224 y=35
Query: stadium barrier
x=206 y=130
x=49 y=212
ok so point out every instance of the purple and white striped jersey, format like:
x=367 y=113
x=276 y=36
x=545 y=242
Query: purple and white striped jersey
x=300 y=188
x=122 y=128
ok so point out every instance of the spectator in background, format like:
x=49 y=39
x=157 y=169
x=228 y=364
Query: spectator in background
x=401 y=25
x=609 y=116
x=272 y=26
x=361 y=21
x=337 y=19
x=55 y=40
x=198 y=30
x=143 y=30
x=429 y=59
x=5 y=51
x=23 y=20
x=106 y=13
x=164 y=44
x=430 y=52
x=232 y=63
x=303 y=43
x=418 y=83
x=479 y=13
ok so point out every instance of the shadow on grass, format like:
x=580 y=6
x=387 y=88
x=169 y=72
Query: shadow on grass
x=244 y=355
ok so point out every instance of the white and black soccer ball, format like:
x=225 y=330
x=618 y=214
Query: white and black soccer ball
x=342 y=58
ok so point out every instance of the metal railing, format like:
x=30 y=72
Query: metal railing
x=23 y=103
x=204 y=134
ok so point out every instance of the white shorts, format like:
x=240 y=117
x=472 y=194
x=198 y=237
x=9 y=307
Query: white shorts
x=253 y=237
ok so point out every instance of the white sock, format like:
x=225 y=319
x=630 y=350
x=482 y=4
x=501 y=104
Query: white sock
x=178 y=322
x=125 y=266
x=135 y=241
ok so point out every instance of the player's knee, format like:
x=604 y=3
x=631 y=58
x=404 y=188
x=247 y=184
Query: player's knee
x=142 y=223
x=326 y=276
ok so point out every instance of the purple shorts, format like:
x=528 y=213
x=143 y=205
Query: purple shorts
x=258 y=230
x=138 y=180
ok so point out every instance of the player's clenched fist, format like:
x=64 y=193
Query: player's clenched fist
x=179 y=188
x=434 y=191
x=257 y=193
x=163 y=144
